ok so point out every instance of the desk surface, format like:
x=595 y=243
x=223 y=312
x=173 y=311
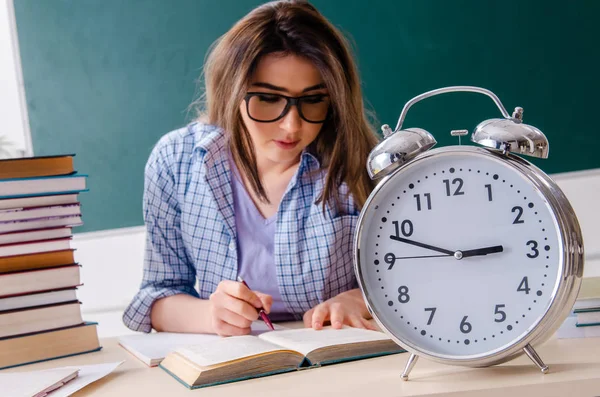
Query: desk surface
x=574 y=371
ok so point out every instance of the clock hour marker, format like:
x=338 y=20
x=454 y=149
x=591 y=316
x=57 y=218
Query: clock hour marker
x=384 y=219
x=411 y=186
x=467 y=341
x=539 y=293
x=390 y=303
x=530 y=205
x=452 y=170
x=495 y=176
x=547 y=248
x=423 y=332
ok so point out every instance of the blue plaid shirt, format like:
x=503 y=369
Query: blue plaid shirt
x=190 y=228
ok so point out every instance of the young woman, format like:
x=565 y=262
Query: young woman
x=267 y=187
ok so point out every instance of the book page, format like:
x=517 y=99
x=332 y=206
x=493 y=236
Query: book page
x=305 y=340
x=154 y=347
x=223 y=350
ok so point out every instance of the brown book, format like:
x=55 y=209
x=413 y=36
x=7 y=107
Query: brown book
x=36 y=261
x=28 y=167
x=48 y=345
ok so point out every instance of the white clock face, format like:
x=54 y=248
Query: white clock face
x=459 y=254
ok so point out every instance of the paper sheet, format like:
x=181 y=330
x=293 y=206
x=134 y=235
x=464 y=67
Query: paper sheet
x=87 y=375
x=31 y=383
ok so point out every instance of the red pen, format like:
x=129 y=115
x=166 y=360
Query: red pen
x=261 y=312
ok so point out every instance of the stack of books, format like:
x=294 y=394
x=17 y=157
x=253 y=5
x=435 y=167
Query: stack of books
x=584 y=320
x=40 y=315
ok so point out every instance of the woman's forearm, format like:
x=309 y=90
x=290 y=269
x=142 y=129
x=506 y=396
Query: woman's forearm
x=181 y=313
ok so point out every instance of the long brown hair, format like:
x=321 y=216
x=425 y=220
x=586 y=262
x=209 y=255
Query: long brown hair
x=293 y=27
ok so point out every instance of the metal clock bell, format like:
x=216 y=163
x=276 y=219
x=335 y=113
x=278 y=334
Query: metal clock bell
x=467 y=255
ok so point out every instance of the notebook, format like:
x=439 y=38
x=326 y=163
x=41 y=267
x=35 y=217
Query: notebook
x=152 y=348
x=243 y=357
x=35 y=383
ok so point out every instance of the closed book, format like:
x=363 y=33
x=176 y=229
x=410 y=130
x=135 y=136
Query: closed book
x=39 y=318
x=38 y=201
x=38 y=299
x=34 y=247
x=13 y=188
x=40 y=223
x=35 y=235
x=26 y=167
x=243 y=357
x=17 y=214
x=48 y=345
x=19 y=283
x=36 y=261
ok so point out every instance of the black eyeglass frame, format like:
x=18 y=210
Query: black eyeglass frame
x=291 y=101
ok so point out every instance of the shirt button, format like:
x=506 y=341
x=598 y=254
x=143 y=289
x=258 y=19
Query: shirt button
x=231 y=246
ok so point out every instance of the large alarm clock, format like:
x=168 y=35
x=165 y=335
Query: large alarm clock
x=467 y=255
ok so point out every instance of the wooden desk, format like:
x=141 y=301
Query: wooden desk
x=574 y=371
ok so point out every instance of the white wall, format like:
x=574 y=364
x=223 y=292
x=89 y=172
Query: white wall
x=14 y=125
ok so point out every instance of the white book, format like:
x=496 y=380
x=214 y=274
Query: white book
x=569 y=329
x=14 y=188
x=588 y=318
x=35 y=383
x=38 y=299
x=38 y=201
x=44 y=318
x=35 y=235
x=35 y=247
x=39 y=280
x=43 y=223
x=17 y=214
x=152 y=348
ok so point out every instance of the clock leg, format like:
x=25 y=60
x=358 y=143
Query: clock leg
x=535 y=358
x=412 y=360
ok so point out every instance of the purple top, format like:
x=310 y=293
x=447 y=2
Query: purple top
x=255 y=239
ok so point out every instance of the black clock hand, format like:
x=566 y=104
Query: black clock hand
x=390 y=258
x=481 y=251
x=422 y=256
x=422 y=245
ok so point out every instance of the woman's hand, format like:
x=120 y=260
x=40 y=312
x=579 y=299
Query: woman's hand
x=233 y=307
x=346 y=308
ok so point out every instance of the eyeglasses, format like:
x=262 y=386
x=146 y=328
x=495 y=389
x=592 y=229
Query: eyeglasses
x=267 y=108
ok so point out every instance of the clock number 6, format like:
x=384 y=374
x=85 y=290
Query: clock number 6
x=465 y=327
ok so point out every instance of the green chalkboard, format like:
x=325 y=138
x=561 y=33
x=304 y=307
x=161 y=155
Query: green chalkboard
x=106 y=78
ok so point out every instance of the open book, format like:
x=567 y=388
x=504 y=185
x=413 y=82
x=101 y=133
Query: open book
x=152 y=348
x=243 y=357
